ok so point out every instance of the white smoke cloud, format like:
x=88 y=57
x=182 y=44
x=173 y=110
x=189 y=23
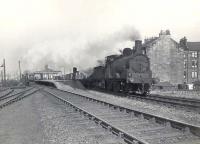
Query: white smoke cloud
x=70 y=33
x=64 y=52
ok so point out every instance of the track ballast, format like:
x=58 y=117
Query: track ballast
x=133 y=126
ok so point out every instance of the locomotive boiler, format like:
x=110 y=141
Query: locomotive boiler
x=129 y=72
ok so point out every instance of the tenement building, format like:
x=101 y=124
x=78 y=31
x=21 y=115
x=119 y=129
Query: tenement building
x=191 y=60
x=166 y=58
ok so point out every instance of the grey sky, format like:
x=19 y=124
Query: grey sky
x=62 y=32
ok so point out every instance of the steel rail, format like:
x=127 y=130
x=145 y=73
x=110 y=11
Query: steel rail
x=190 y=103
x=1 y=90
x=167 y=121
x=4 y=97
x=20 y=97
x=175 y=101
x=11 y=91
x=117 y=131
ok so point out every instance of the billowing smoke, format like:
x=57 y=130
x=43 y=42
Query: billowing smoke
x=112 y=42
x=82 y=53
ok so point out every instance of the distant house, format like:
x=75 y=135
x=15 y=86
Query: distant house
x=166 y=58
x=191 y=60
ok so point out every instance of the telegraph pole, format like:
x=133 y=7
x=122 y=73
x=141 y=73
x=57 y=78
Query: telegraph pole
x=4 y=71
x=64 y=73
x=20 y=74
x=1 y=77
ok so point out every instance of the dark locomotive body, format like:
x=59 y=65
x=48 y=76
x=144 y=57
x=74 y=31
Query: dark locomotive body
x=129 y=72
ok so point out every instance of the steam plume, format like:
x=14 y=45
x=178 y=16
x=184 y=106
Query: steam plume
x=60 y=53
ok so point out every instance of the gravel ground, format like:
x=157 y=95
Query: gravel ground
x=40 y=119
x=184 y=94
x=62 y=125
x=14 y=92
x=2 y=93
x=19 y=90
x=191 y=117
x=3 y=88
x=20 y=123
x=138 y=126
x=7 y=98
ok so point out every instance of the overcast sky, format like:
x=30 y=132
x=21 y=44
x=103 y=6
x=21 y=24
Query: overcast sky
x=66 y=33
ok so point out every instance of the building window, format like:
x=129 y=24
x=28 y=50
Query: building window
x=194 y=74
x=185 y=64
x=184 y=75
x=194 y=63
x=194 y=54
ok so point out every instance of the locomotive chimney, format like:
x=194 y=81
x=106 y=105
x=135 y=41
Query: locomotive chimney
x=138 y=46
x=74 y=73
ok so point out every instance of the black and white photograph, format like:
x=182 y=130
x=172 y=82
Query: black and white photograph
x=99 y=72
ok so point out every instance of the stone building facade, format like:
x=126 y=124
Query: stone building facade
x=191 y=61
x=166 y=58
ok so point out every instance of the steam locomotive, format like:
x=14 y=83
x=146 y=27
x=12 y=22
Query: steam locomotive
x=129 y=72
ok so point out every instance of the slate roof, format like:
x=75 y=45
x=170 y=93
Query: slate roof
x=193 y=46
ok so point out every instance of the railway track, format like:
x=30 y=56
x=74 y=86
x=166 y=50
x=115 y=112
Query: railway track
x=79 y=128
x=10 y=91
x=7 y=93
x=193 y=104
x=7 y=100
x=133 y=126
x=13 y=93
x=4 y=89
x=176 y=101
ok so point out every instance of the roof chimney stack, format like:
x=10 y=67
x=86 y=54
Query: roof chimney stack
x=138 y=46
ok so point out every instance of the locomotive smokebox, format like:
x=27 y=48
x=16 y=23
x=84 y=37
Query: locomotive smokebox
x=138 y=46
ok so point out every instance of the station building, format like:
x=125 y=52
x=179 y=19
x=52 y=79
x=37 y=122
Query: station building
x=46 y=74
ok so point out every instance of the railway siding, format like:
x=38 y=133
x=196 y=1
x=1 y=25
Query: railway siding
x=166 y=110
x=6 y=92
x=117 y=131
x=177 y=112
x=174 y=123
x=176 y=101
x=170 y=130
x=73 y=127
x=5 y=101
